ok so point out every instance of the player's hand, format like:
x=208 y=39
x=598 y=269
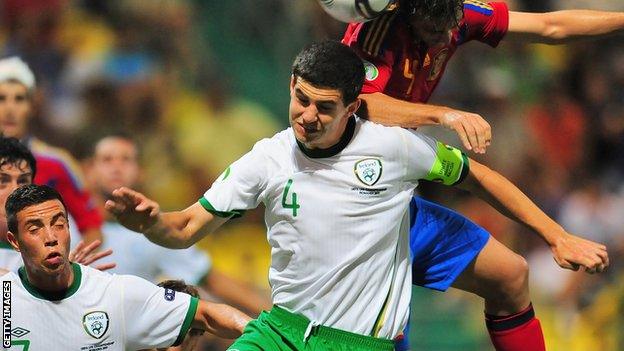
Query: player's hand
x=473 y=131
x=84 y=255
x=572 y=252
x=133 y=210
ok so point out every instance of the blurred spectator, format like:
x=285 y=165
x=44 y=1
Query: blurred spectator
x=57 y=168
x=115 y=164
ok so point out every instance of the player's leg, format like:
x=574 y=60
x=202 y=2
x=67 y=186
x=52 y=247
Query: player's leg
x=500 y=276
x=448 y=248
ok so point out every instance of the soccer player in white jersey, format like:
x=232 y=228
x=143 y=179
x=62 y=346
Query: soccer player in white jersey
x=115 y=163
x=336 y=190
x=59 y=305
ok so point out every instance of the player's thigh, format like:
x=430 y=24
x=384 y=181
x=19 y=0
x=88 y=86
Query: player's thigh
x=496 y=269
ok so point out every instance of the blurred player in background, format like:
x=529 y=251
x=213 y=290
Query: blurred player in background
x=338 y=225
x=18 y=168
x=405 y=53
x=67 y=306
x=115 y=164
x=57 y=168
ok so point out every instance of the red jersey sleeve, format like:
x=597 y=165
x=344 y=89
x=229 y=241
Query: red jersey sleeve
x=375 y=44
x=485 y=22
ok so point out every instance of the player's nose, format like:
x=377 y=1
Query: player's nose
x=310 y=114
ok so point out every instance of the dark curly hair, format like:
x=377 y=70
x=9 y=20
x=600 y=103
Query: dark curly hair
x=436 y=11
x=13 y=152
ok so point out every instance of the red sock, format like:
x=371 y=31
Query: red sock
x=518 y=332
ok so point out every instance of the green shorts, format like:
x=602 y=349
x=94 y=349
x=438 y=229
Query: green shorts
x=282 y=330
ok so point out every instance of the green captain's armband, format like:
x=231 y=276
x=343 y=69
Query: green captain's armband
x=450 y=166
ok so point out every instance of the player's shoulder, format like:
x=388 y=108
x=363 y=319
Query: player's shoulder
x=7 y=275
x=281 y=140
x=41 y=148
x=378 y=134
x=482 y=8
x=53 y=156
x=89 y=273
x=391 y=136
x=373 y=37
x=366 y=126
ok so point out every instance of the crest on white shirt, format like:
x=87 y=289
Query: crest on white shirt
x=368 y=170
x=95 y=323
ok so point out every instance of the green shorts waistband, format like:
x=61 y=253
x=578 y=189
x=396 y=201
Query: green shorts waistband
x=301 y=322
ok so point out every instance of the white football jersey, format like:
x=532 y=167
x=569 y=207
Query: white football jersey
x=99 y=311
x=136 y=255
x=338 y=220
x=10 y=259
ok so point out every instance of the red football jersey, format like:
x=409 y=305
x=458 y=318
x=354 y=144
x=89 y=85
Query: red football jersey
x=58 y=169
x=406 y=69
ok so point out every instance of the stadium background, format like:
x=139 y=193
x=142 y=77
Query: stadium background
x=198 y=82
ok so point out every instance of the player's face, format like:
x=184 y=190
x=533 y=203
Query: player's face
x=43 y=237
x=318 y=116
x=15 y=109
x=115 y=164
x=13 y=176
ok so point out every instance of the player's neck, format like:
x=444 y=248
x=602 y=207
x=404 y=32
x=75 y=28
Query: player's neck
x=335 y=147
x=52 y=283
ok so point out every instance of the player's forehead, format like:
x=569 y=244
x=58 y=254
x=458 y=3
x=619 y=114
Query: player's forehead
x=44 y=211
x=115 y=146
x=14 y=167
x=13 y=87
x=317 y=93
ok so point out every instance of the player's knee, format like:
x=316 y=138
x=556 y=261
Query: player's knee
x=517 y=279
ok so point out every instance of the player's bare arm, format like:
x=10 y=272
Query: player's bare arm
x=563 y=26
x=236 y=293
x=569 y=251
x=221 y=320
x=175 y=230
x=474 y=132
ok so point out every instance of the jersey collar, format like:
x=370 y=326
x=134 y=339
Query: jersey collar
x=52 y=295
x=334 y=150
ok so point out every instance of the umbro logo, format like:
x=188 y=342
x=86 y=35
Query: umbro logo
x=19 y=332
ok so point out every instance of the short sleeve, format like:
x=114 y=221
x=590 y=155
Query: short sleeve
x=239 y=187
x=485 y=22
x=154 y=316
x=191 y=264
x=429 y=159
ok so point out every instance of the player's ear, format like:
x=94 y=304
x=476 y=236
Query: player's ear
x=354 y=106
x=13 y=241
x=293 y=81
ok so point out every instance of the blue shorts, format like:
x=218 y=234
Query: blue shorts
x=442 y=243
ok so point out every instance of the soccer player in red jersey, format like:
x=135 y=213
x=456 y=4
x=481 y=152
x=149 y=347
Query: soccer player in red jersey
x=56 y=167
x=405 y=52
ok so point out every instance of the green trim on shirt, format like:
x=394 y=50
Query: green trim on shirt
x=224 y=214
x=450 y=166
x=188 y=319
x=5 y=245
x=52 y=295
